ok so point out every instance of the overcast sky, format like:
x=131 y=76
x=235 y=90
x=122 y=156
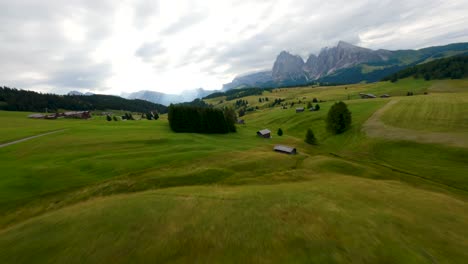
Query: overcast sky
x=174 y=45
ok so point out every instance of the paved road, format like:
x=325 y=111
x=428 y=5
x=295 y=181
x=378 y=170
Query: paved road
x=28 y=138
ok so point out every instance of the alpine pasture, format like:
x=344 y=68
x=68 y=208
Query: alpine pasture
x=392 y=189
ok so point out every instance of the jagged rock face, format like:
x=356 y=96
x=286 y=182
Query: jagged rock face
x=288 y=67
x=342 y=56
x=249 y=80
x=332 y=64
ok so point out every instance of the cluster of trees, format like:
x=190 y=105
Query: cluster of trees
x=197 y=102
x=128 y=116
x=21 y=100
x=152 y=116
x=194 y=119
x=244 y=110
x=261 y=100
x=277 y=101
x=316 y=107
x=449 y=68
x=241 y=103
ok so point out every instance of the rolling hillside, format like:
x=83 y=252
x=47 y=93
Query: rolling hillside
x=392 y=189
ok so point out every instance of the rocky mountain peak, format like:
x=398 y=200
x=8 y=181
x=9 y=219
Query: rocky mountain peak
x=288 y=67
x=345 y=45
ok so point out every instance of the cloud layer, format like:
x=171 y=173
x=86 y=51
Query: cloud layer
x=169 y=46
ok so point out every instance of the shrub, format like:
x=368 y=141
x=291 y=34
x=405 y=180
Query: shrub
x=310 y=137
x=339 y=118
x=115 y=118
x=317 y=107
x=108 y=118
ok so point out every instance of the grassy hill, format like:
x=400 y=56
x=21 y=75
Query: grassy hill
x=393 y=189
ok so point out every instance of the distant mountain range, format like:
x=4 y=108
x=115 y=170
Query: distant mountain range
x=344 y=63
x=167 y=99
x=79 y=93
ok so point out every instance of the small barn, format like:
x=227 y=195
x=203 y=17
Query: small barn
x=241 y=122
x=384 y=96
x=265 y=133
x=311 y=109
x=367 y=96
x=285 y=149
x=37 y=116
x=299 y=109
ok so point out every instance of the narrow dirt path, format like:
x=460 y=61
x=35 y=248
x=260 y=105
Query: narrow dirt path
x=28 y=138
x=374 y=127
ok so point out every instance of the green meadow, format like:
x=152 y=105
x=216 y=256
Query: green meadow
x=392 y=189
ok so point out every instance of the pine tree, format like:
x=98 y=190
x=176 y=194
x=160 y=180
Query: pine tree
x=280 y=132
x=108 y=118
x=310 y=137
x=317 y=107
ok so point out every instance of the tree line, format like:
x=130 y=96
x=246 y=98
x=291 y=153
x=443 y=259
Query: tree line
x=455 y=67
x=21 y=100
x=193 y=119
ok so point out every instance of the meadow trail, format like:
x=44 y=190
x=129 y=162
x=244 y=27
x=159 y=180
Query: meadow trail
x=31 y=137
x=374 y=127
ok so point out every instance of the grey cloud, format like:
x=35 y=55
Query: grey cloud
x=31 y=38
x=184 y=23
x=148 y=51
x=319 y=25
x=32 y=41
x=143 y=11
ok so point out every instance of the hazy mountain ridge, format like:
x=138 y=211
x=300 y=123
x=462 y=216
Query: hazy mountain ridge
x=167 y=99
x=344 y=63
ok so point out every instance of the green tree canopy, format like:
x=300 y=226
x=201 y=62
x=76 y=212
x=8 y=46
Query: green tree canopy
x=338 y=118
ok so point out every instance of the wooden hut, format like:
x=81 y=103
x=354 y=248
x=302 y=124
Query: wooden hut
x=265 y=133
x=285 y=149
x=299 y=109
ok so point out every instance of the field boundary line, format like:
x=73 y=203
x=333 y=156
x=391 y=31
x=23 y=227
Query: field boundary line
x=28 y=138
x=375 y=128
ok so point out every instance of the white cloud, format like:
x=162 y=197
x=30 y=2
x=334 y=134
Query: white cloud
x=170 y=46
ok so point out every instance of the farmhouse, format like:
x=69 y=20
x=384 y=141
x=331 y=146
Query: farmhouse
x=265 y=133
x=79 y=114
x=299 y=109
x=285 y=149
x=367 y=96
